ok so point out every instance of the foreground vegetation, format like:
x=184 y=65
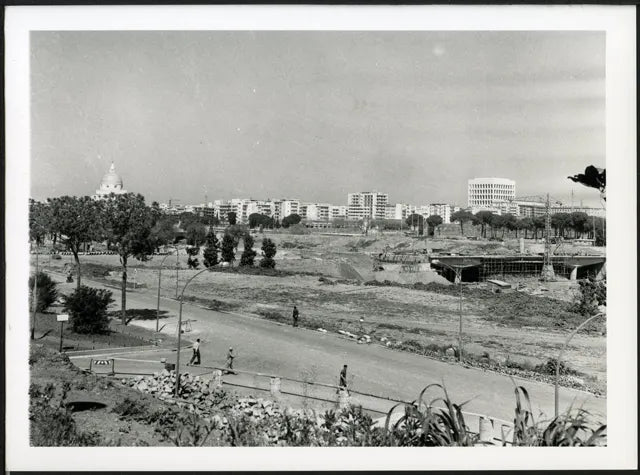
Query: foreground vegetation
x=134 y=418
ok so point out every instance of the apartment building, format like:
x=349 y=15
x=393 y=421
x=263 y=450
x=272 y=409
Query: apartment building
x=317 y=211
x=366 y=204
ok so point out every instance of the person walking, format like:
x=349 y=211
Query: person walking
x=296 y=314
x=195 y=358
x=230 y=357
x=343 y=380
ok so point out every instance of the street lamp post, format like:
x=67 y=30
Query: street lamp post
x=35 y=298
x=559 y=360
x=159 y=282
x=180 y=328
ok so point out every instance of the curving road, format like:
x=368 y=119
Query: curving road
x=268 y=347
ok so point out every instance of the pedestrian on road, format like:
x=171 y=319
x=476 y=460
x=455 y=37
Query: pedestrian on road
x=343 y=380
x=195 y=359
x=296 y=314
x=230 y=357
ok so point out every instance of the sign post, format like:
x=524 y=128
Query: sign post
x=62 y=317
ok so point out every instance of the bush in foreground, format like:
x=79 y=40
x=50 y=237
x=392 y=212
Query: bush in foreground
x=88 y=310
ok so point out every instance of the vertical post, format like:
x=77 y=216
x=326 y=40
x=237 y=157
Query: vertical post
x=61 y=328
x=177 y=264
x=178 y=355
x=35 y=298
x=460 y=317
x=158 y=306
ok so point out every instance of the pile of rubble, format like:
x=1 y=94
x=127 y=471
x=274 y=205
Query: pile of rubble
x=192 y=388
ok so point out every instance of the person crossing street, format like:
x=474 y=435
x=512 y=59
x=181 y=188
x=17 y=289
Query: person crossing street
x=230 y=357
x=195 y=358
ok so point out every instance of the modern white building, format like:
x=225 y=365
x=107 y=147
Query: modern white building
x=484 y=193
x=441 y=209
x=337 y=212
x=286 y=207
x=367 y=204
x=111 y=183
x=317 y=211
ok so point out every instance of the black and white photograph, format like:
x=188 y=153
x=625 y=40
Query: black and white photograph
x=321 y=227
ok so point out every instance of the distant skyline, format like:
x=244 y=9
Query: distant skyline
x=316 y=115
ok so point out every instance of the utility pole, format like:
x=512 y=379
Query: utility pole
x=547 y=274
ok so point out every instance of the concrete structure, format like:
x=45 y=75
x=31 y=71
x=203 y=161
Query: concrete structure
x=403 y=211
x=484 y=192
x=595 y=212
x=111 y=183
x=441 y=209
x=367 y=204
x=337 y=212
x=286 y=207
x=317 y=211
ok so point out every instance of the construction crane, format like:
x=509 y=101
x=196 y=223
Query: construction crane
x=547 y=274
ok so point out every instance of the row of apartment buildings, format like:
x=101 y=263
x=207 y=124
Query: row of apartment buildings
x=497 y=195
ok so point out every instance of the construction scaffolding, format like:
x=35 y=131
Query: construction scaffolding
x=500 y=266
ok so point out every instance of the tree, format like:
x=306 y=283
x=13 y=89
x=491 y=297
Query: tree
x=539 y=223
x=47 y=291
x=291 y=220
x=526 y=223
x=195 y=232
x=268 y=252
x=212 y=247
x=510 y=222
x=192 y=260
x=434 y=221
x=88 y=309
x=77 y=221
x=39 y=221
x=248 y=254
x=260 y=220
x=164 y=231
x=579 y=223
x=232 y=218
x=484 y=219
x=414 y=221
x=128 y=224
x=228 y=248
x=462 y=217
x=560 y=222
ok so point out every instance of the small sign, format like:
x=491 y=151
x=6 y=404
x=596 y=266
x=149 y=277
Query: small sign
x=102 y=362
x=63 y=317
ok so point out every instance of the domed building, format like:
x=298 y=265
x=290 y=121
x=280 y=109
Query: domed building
x=111 y=183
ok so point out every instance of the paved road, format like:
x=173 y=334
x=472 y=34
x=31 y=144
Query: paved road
x=265 y=346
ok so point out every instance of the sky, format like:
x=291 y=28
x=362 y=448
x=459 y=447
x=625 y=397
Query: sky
x=316 y=115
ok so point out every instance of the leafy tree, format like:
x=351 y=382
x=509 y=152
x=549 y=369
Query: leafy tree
x=228 y=248
x=212 y=247
x=260 y=220
x=232 y=218
x=164 y=231
x=39 y=221
x=268 y=253
x=462 y=217
x=192 y=260
x=526 y=223
x=579 y=223
x=77 y=221
x=509 y=222
x=237 y=232
x=291 y=220
x=434 y=221
x=47 y=292
x=88 y=309
x=484 y=219
x=560 y=222
x=539 y=223
x=277 y=224
x=248 y=254
x=128 y=224
x=195 y=232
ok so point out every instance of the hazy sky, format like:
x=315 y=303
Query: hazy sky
x=315 y=115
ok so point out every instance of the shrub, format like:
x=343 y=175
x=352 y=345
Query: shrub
x=46 y=291
x=228 y=248
x=268 y=251
x=192 y=260
x=210 y=253
x=248 y=254
x=88 y=309
x=591 y=295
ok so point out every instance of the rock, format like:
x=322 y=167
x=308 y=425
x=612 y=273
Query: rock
x=450 y=352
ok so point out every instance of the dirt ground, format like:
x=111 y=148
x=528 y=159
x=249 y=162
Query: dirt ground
x=502 y=326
